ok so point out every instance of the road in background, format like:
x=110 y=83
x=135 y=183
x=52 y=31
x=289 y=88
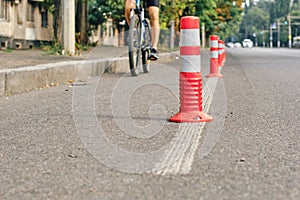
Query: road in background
x=255 y=157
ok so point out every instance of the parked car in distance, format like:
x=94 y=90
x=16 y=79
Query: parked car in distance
x=247 y=43
x=296 y=42
x=230 y=44
x=237 y=45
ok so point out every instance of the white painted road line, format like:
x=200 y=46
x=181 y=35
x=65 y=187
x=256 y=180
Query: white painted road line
x=179 y=158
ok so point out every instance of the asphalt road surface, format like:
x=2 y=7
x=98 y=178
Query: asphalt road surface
x=109 y=138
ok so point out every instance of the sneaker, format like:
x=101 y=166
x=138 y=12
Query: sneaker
x=153 y=54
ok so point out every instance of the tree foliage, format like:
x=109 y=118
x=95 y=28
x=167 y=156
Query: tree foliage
x=258 y=18
x=228 y=17
x=255 y=20
x=278 y=9
x=206 y=10
x=98 y=11
x=101 y=10
x=220 y=17
x=174 y=10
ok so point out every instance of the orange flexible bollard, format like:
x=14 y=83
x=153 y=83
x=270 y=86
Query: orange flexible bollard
x=190 y=80
x=223 y=53
x=220 y=53
x=214 y=58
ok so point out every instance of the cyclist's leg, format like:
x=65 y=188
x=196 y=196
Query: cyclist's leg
x=153 y=11
x=154 y=21
x=129 y=4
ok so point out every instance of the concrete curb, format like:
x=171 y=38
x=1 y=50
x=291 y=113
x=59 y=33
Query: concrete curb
x=15 y=81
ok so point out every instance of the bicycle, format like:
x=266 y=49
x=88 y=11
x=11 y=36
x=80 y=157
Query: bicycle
x=140 y=41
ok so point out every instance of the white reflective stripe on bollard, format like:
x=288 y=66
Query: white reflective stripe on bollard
x=191 y=63
x=189 y=37
x=214 y=54
x=214 y=43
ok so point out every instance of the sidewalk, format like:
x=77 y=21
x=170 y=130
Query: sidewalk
x=26 y=70
x=24 y=58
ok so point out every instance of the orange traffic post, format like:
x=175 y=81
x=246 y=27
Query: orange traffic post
x=220 y=53
x=223 y=53
x=214 y=57
x=190 y=78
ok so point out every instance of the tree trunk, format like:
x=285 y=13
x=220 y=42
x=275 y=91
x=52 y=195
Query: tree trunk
x=58 y=28
x=82 y=21
x=85 y=24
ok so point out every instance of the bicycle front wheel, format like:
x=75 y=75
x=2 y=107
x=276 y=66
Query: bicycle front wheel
x=134 y=44
x=146 y=47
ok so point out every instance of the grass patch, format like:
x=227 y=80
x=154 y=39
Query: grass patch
x=56 y=49
x=8 y=50
x=52 y=49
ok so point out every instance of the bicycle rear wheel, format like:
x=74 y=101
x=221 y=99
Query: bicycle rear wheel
x=134 y=44
x=146 y=47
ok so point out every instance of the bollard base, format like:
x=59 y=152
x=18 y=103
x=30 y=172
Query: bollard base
x=214 y=75
x=195 y=116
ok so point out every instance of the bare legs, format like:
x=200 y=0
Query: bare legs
x=129 y=4
x=154 y=20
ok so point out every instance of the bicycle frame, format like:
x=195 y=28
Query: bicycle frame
x=140 y=11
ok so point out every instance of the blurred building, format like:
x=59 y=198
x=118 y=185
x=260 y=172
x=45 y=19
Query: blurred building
x=24 y=24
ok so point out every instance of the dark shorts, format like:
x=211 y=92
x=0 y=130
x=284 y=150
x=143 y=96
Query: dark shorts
x=152 y=3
